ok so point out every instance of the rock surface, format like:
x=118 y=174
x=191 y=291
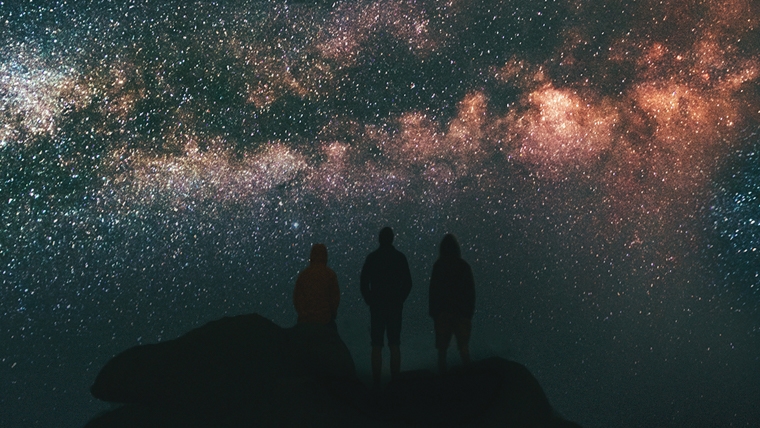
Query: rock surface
x=246 y=371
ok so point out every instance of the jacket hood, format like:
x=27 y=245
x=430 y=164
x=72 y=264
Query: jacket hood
x=450 y=247
x=318 y=254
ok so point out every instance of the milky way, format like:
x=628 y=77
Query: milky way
x=163 y=164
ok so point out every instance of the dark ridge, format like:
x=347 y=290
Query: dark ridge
x=246 y=371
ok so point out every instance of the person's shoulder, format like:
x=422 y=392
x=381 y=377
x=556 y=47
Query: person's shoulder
x=302 y=275
x=372 y=258
x=465 y=267
x=462 y=263
x=372 y=255
x=438 y=267
x=399 y=257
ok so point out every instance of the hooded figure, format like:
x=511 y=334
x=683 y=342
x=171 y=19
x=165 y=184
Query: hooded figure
x=316 y=295
x=452 y=300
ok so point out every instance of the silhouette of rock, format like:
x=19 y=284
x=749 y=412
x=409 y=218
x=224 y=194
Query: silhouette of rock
x=491 y=392
x=234 y=367
x=246 y=371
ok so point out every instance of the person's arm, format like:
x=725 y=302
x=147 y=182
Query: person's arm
x=334 y=295
x=469 y=288
x=434 y=296
x=406 y=279
x=364 y=282
x=298 y=296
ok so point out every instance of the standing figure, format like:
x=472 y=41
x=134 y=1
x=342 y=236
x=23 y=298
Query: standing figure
x=316 y=295
x=452 y=300
x=385 y=285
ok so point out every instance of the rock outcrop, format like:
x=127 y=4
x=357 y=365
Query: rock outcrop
x=246 y=371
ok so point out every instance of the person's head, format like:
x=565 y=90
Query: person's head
x=386 y=236
x=318 y=253
x=450 y=247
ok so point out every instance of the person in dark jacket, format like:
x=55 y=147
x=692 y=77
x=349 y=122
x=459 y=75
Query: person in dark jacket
x=385 y=285
x=316 y=295
x=452 y=300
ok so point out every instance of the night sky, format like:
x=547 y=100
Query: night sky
x=164 y=164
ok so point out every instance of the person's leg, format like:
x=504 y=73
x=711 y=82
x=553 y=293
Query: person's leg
x=464 y=354
x=377 y=365
x=377 y=330
x=442 y=361
x=395 y=361
x=394 y=340
x=442 y=326
x=462 y=332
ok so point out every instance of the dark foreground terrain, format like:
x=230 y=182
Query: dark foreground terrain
x=246 y=371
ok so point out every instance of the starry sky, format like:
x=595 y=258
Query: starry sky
x=167 y=163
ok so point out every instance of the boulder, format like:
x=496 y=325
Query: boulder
x=246 y=371
x=232 y=367
x=489 y=393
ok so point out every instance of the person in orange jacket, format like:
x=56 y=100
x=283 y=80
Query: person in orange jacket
x=316 y=295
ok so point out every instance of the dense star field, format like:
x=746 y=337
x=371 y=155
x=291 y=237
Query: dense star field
x=164 y=164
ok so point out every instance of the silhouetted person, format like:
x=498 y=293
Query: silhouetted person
x=452 y=300
x=385 y=285
x=316 y=295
